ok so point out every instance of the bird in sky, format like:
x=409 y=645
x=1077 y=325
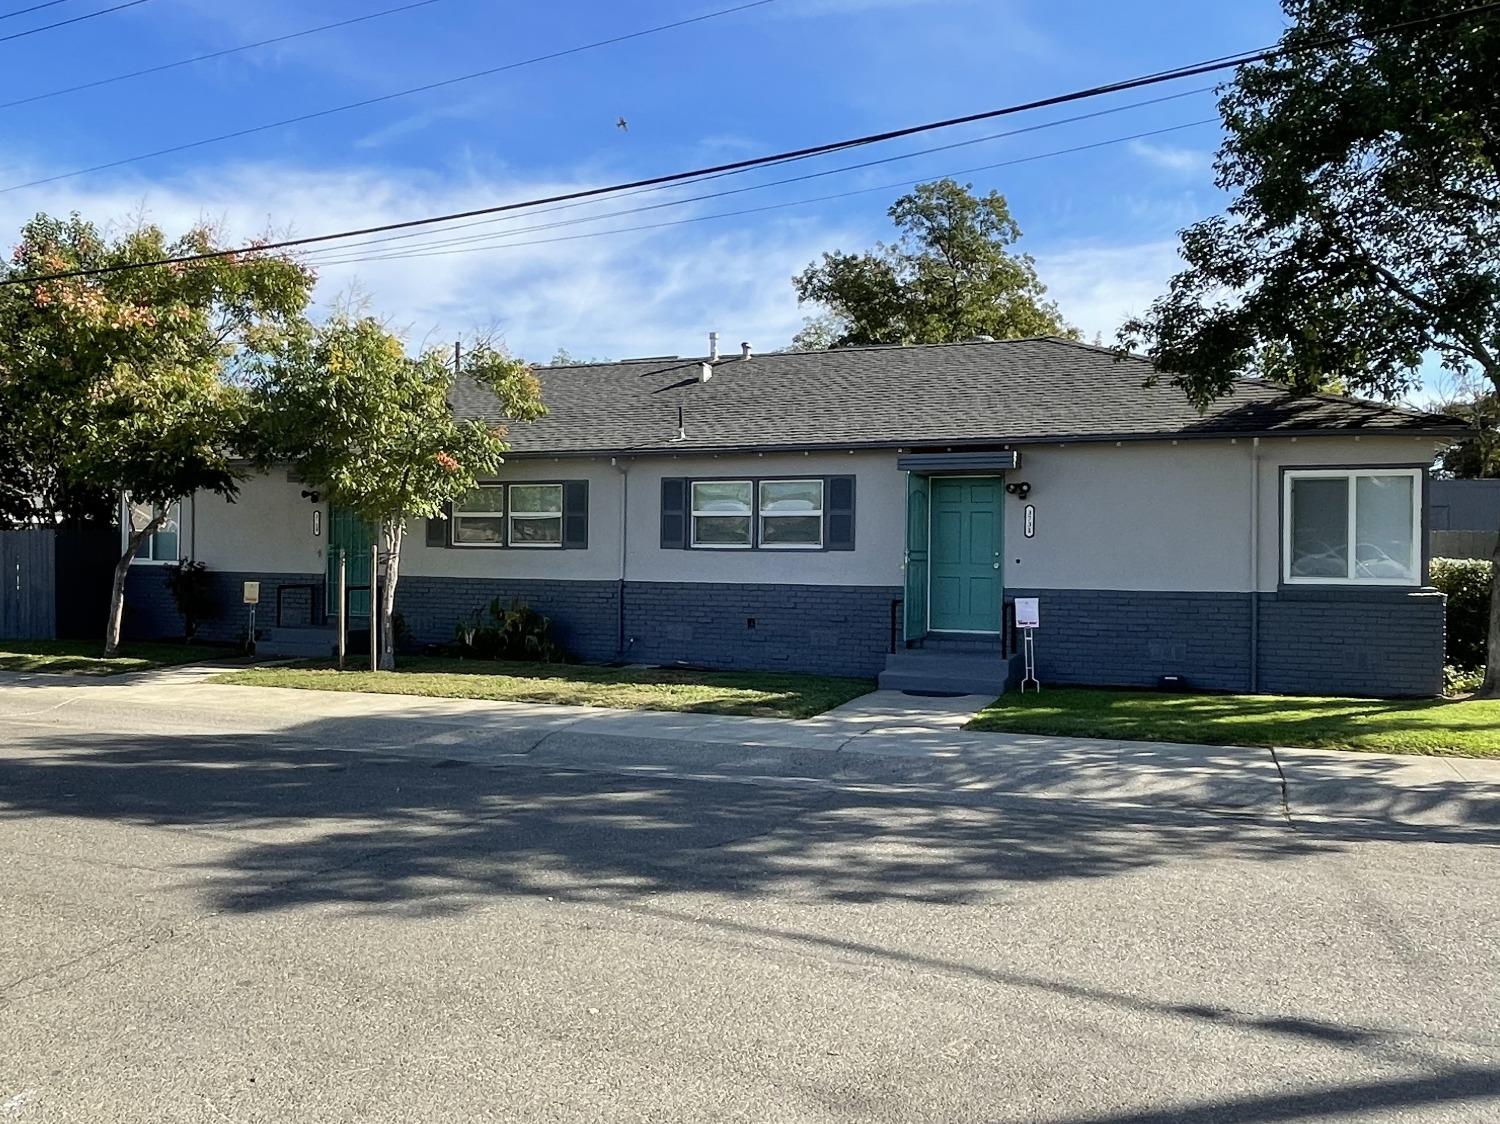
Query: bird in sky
x=623 y=125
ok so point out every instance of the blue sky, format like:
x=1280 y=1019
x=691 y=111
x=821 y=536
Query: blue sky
x=1101 y=223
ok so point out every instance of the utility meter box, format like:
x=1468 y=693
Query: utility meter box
x=252 y=593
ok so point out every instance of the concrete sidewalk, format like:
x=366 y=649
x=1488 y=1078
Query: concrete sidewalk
x=883 y=739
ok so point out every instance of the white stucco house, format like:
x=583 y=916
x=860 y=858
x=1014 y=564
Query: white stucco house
x=875 y=511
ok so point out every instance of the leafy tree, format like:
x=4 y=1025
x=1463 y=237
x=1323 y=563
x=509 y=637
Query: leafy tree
x=950 y=276
x=371 y=426
x=1364 y=232
x=115 y=384
x=1478 y=455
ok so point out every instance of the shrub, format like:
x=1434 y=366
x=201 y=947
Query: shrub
x=192 y=589
x=1466 y=581
x=1461 y=681
x=513 y=632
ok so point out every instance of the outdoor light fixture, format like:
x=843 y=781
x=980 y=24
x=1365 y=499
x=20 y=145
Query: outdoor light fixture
x=1022 y=489
x=311 y=497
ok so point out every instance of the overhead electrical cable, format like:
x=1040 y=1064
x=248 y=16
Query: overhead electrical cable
x=212 y=54
x=409 y=253
x=383 y=98
x=65 y=23
x=686 y=199
x=760 y=161
x=33 y=8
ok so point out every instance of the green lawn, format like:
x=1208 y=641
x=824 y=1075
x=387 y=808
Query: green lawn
x=1465 y=728
x=630 y=688
x=82 y=657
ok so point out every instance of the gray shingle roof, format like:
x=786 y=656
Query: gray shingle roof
x=1009 y=391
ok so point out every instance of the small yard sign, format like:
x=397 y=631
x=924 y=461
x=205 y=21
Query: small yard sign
x=252 y=593
x=1028 y=612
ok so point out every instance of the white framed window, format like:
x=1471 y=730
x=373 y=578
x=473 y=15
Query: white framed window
x=791 y=514
x=1352 y=526
x=163 y=545
x=721 y=512
x=479 y=517
x=536 y=515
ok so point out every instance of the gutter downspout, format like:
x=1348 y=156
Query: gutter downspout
x=624 y=471
x=1255 y=566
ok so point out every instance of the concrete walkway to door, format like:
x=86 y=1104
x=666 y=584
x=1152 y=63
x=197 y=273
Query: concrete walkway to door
x=885 y=739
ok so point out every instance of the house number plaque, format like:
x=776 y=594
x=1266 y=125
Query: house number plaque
x=1028 y=522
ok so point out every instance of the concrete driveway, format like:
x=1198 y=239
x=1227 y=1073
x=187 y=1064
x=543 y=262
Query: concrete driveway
x=240 y=925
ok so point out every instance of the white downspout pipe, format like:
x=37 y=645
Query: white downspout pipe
x=1255 y=565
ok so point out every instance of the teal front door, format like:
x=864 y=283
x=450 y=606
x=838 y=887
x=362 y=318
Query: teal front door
x=351 y=534
x=965 y=556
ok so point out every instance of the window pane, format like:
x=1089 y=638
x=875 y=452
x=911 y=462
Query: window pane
x=164 y=546
x=790 y=496
x=722 y=530
x=536 y=497
x=488 y=529
x=731 y=497
x=790 y=530
x=490 y=497
x=536 y=530
x=1383 y=527
x=1320 y=527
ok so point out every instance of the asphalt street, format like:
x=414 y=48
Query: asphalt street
x=231 y=927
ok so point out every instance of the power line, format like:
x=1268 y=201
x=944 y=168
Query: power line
x=211 y=54
x=65 y=23
x=405 y=254
x=33 y=8
x=1228 y=62
x=365 y=102
x=340 y=249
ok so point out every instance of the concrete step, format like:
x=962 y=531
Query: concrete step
x=959 y=643
x=958 y=671
x=297 y=643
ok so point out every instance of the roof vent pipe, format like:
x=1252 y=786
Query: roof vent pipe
x=705 y=371
x=745 y=350
x=713 y=347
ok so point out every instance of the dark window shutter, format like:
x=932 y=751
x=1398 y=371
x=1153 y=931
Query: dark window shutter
x=437 y=531
x=838 y=517
x=674 y=513
x=575 y=530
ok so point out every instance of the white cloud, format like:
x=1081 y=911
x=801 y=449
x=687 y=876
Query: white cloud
x=639 y=293
x=1173 y=158
x=1098 y=286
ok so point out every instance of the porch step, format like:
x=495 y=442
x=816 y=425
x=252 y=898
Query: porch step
x=967 y=672
x=959 y=642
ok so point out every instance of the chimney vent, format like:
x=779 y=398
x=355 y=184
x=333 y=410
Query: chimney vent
x=705 y=371
x=713 y=347
x=745 y=350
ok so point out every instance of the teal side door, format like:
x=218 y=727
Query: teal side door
x=965 y=554
x=916 y=557
x=351 y=534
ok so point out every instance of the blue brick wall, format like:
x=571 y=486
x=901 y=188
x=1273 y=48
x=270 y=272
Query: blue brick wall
x=585 y=615
x=1131 y=638
x=1346 y=642
x=833 y=630
x=151 y=614
x=1341 y=642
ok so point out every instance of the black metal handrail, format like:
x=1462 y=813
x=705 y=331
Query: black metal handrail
x=897 y=604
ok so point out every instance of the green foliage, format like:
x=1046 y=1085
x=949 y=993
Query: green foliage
x=117 y=382
x=508 y=632
x=1478 y=455
x=1461 y=681
x=950 y=276
x=371 y=426
x=192 y=590
x=1362 y=235
x=1466 y=581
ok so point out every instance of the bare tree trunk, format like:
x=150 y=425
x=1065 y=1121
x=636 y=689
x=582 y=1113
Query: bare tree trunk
x=1491 y=686
x=122 y=571
x=392 y=531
